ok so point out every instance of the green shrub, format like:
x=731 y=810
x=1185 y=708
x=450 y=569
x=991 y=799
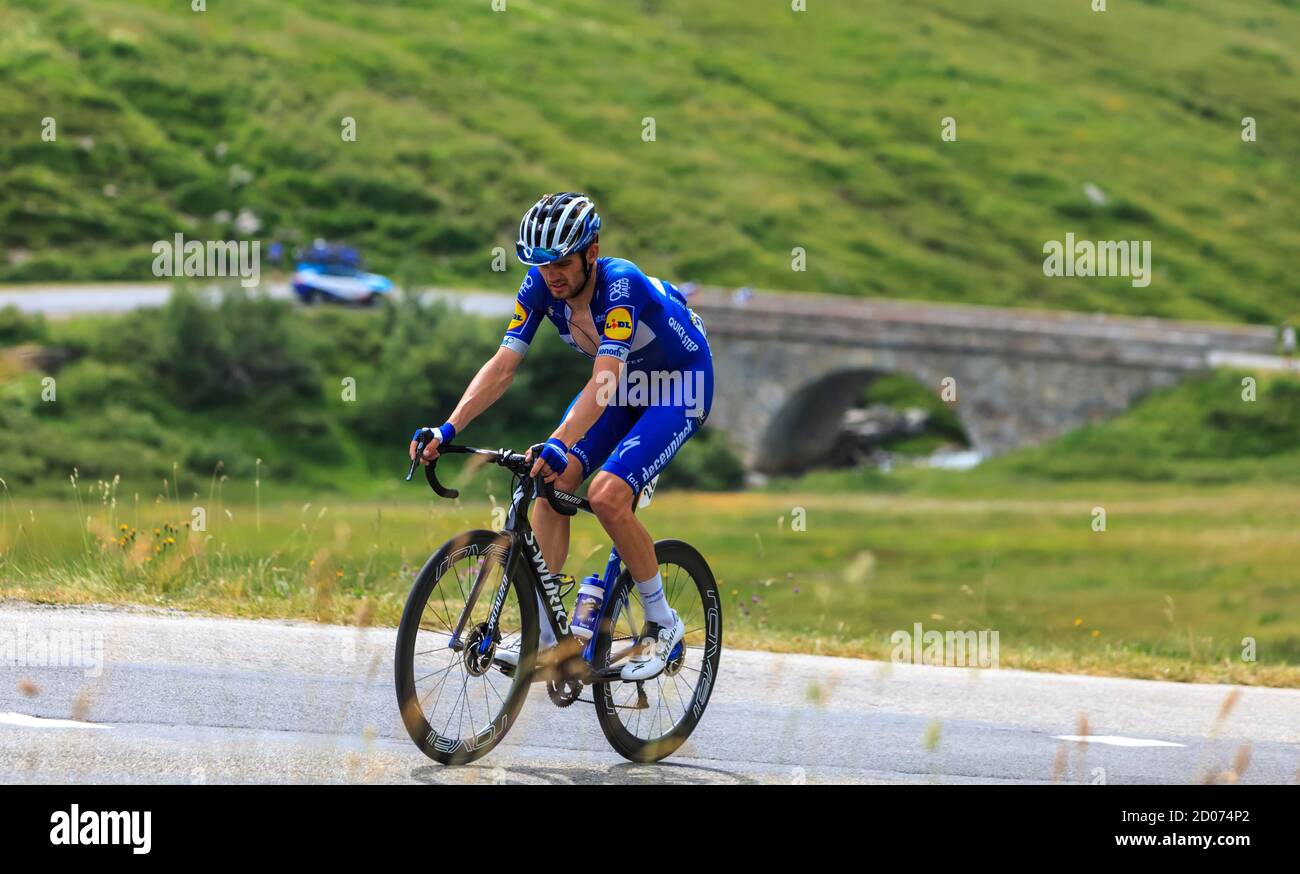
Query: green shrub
x=244 y=350
x=705 y=462
x=18 y=327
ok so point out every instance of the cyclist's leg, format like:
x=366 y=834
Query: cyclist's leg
x=646 y=450
x=586 y=455
x=650 y=445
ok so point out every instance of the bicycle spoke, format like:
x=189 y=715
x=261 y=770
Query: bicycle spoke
x=441 y=685
x=667 y=697
x=676 y=581
x=455 y=712
x=431 y=673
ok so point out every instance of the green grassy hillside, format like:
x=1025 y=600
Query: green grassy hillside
x=774 y=129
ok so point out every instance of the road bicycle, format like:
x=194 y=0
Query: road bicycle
x=478 y=596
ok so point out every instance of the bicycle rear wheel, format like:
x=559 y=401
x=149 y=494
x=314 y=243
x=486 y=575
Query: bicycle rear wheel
x=650 y=720
x=457 y=704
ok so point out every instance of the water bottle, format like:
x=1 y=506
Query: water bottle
x=586 y=611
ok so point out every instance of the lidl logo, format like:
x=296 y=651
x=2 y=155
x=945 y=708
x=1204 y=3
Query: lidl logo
x=618 y=324
x=521 y=316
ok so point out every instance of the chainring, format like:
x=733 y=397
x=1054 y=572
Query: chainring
x=564 y=693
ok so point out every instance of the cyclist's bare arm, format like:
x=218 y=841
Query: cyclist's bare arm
x=595 y=396
x=484 y=390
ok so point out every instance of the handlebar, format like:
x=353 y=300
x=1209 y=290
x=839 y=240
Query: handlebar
x=561 y=502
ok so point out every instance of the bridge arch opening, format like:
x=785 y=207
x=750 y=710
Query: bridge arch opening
x=858 y=416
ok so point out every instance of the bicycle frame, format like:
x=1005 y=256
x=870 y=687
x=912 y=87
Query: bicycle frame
x=524 y=560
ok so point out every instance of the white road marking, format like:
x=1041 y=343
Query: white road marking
x=25 y=721
x=1117 y=741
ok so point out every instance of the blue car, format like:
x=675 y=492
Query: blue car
x=334 y=273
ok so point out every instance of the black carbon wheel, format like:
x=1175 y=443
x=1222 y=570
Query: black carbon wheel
x=458 y=704
x=648 y=721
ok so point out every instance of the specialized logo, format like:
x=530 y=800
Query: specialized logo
x=618 y=324
x=548 y=583
x=521 y=316
x=566 y=498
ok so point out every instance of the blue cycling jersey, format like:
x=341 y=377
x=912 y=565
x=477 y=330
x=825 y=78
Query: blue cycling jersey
x=643 y=321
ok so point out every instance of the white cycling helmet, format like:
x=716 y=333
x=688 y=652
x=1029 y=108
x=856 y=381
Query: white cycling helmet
x=556 y=226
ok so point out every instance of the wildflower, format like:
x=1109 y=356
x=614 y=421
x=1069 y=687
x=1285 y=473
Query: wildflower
x=1078 y=622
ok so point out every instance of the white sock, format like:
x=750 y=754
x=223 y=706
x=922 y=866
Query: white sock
x=655 y=602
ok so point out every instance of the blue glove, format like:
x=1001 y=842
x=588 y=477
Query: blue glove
x=445 y=433
x=555 y=454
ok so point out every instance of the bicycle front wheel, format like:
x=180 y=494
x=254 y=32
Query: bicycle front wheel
x=458 y=702
x=649 y=720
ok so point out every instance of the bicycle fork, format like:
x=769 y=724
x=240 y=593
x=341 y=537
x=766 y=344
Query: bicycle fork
x=547 y=589
x=498 y=600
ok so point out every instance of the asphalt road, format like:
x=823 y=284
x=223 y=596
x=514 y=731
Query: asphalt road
x=58 y=301
x=180 y=699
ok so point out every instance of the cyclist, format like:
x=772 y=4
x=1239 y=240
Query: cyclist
x=639 y=332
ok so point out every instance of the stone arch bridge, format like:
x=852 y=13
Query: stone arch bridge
x=1021 y=376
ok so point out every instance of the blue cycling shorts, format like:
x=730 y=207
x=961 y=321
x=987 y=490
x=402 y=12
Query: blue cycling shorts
x=641 y=431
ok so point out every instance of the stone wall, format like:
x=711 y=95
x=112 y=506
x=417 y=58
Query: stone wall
x=788 y=366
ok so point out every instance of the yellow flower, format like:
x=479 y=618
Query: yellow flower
x=1096 y=633
x=1078 y=622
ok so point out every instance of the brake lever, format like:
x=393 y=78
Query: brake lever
x=421 y=442
x=430 y=472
